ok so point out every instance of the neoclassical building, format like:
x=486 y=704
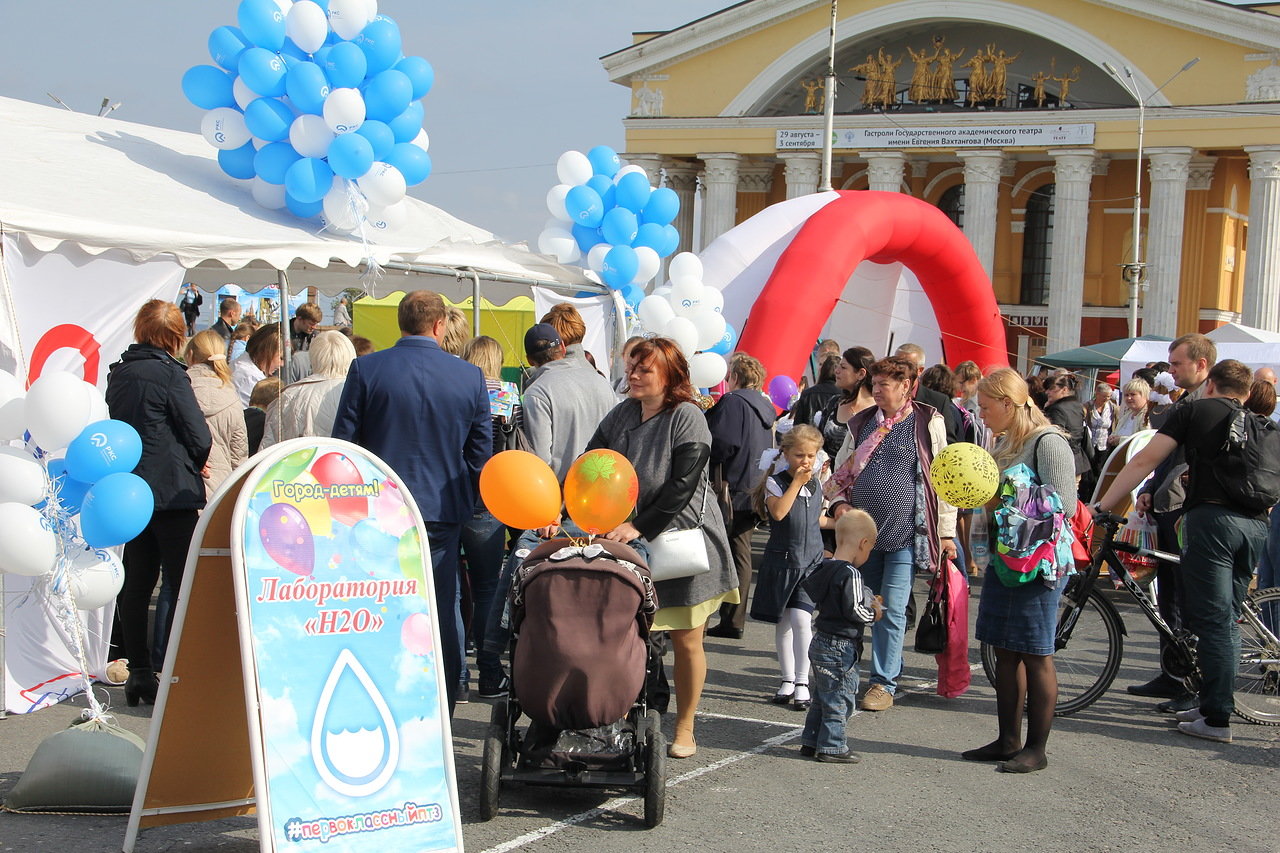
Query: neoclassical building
x=1019 y=120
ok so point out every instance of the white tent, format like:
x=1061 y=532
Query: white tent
x=1253 y=353
x=1237 y=333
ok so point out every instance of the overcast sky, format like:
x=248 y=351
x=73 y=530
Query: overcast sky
x=518 y=82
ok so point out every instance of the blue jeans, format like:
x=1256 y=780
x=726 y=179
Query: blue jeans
x=889 y=574
x=833 y=678
x=484 y=541
x=1269 y=569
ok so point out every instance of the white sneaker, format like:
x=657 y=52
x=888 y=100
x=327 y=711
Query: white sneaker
x=1201 y=729
x=1189 y=716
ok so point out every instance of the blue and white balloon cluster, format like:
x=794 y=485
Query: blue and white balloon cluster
x=608 y=214
x=690 y=313
x=314 y=102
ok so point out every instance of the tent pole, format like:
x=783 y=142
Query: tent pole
x=475 y=303
x=501 y=278
x=286 y=347
x=619 y=329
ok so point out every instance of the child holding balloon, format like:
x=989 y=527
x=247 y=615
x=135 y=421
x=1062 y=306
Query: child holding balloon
x=791 y=498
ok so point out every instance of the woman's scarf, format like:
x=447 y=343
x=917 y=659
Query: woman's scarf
x=847 y=475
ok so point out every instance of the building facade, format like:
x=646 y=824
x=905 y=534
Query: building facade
x=1021 y=121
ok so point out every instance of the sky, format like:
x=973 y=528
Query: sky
x=518 y=82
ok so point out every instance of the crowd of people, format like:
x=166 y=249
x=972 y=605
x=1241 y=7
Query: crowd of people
x=841 y=481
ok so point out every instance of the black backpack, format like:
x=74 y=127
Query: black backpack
x=1248 y=469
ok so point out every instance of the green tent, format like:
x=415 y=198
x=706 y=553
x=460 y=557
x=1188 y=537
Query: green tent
x=1103 y=356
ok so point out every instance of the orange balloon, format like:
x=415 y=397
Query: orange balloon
x=520 y=490
x=600 y=490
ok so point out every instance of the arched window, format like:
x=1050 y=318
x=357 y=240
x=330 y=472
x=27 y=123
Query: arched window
x=952 y=204
x=1037 y=242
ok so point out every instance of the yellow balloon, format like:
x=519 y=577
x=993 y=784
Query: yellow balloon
x=965 y=475
x=308 y=498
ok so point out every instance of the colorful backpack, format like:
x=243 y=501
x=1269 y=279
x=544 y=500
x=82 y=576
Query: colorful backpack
x=1032 y=530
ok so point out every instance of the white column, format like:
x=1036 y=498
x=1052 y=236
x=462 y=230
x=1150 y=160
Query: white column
x=651 y=163
x=1169 y=170
x=1073 y=173
x=720 y=205
x=1262 y=249
x=885 y=170
x=755 y=176
x=802 y=170
x=981 y=197
x=683 y=178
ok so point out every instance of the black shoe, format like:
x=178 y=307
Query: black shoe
x=464 y=694
x=725 y=631
x=1182 y=702
x=808 y=751
x=494 y=689
x=141 y=685
x=845 y=757
x=1162 y=686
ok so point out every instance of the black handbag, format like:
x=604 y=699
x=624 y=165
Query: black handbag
x=931 y=628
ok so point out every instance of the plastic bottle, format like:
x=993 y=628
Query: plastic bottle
x=978 y=542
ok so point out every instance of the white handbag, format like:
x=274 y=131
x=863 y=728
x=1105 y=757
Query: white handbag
x=679 y=553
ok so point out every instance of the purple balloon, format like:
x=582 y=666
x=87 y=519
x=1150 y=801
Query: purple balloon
x=782 y=389
x=287 y=538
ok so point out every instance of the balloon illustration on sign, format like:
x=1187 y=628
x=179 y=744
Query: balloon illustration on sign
x=288 y=539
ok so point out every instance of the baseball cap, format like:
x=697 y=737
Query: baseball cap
x=540 y=338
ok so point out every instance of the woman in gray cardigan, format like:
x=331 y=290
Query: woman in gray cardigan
x=666 y=439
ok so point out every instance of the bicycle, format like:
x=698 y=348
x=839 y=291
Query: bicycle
x=1090 y=637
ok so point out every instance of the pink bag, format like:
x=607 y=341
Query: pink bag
x=954 y=674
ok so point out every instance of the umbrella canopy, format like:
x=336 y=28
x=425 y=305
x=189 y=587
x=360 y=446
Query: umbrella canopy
x=1106 y=355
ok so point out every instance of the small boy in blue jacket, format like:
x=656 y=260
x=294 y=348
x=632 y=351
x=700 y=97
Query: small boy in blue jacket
x=844 y=606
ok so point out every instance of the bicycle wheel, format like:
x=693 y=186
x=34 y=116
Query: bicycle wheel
x=1257 y=690
x=1089 y=663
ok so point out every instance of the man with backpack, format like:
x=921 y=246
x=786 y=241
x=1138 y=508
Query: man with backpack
x=1233 y=459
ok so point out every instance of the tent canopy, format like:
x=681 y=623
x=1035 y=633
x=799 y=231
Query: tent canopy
x=1104 y=356
x=104 y=185
x=1238 y=333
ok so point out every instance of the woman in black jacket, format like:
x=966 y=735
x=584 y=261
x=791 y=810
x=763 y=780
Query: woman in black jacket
x=1064 y=410
x=149 y=390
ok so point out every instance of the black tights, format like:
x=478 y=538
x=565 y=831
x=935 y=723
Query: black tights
x=1028 y=681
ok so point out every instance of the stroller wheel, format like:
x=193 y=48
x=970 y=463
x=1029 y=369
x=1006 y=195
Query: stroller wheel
x=495 y=745
x=655 y=771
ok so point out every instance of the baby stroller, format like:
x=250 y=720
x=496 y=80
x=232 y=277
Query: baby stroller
x=580 y=656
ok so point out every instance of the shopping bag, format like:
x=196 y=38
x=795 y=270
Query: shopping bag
x=953 y=663
x=1138 y=530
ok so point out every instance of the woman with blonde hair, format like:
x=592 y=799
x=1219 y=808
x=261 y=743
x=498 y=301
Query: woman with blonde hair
x=308 y=406
x=206 y=358
x=1020 y=622
x=1133 y=415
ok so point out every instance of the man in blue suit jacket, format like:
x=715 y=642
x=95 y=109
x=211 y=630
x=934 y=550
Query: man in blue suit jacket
x=426 y=414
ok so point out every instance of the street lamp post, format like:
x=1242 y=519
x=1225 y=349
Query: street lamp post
x=829 y=107
x=1135 y=271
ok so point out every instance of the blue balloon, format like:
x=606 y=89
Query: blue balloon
x=619 y=227
x=632 y=294
x=225 y=46
x=321 y=55
x=308 y=180
x=605 y=189
x=380 y=136
x=302 y=209
x=115 y=510
x=584 y=206
x=350 y=156
x=387 y=95
x=268 y=119
x=419 y=72
x=307 y=87
x=620 y=266
x=586 y=237
x=345 y=65
x=102 y=448
x=294 y=53
x=263 y=72
x=412 y=161
x=604 y=161
x=273 y=161
x=662 y=207
x=672 y=241
x=724 y=346
x=650 y=235
x=633 y=191
x=406 y=126
x=238 y=162
x=262 y=23
x=208 y=87
x=380 y=41
x=70 y=492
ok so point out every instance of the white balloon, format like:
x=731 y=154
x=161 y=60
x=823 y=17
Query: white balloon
x=22 y=478
x=310 y=136
x=344 y=110
x=555 y=202
x=627 y=170
x=684 y=333
x=557 y=241
x=13 y=419
x=574 y=168
x=98 y=410
x=95 y=578
x=10 y=389
x=28 y=546
x=422 y=140
x=595 y=257
x=663 y=290
x=710 y=326
x=383 y=185
x=685 y=265
x=655 y=312
x=649 y=265
x=370 y=10
x=348 y=17
x=270 y=196
x=307 y=25
x=389 y=218
x=59 y=406
x=284 y=6
x=686 y=296
x=707 y=369
x=243 y=94
x=713 y=299
x=342 y=209
x=224 y=128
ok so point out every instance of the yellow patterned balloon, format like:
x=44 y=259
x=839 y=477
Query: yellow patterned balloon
x=965 y=475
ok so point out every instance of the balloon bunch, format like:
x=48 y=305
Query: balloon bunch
x=689 y=312
x=316 y=105
x=608 y=214
x=522 y=491
x=59 y=513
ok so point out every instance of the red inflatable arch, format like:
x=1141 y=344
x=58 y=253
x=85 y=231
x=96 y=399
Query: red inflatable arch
x=882 y=227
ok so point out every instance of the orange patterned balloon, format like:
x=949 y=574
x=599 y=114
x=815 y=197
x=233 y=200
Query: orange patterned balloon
x=520 y=490
x=600 y=490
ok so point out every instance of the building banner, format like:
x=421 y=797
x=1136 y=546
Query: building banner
x=952 y=136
